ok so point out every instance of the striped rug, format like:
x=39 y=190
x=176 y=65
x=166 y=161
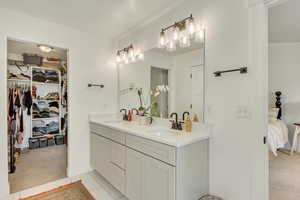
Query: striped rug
x=72 y=191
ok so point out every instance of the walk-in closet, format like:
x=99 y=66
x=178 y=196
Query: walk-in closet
x=37 y=113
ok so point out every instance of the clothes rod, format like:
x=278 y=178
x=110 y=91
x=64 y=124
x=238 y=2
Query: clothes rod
x=95 y=85
x=242 y=70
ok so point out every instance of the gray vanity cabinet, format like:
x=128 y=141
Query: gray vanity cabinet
x=148 y=178
x=100 y=154
x=144 y=169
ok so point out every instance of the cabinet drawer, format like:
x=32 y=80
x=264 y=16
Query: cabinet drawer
x=112 y=134
x=118 y=154
x=157 y=150
x=117 y=177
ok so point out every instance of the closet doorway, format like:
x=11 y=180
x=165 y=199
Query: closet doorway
x=37 y=113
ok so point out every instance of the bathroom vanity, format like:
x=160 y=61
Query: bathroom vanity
x=150 y=162
x=155 y=162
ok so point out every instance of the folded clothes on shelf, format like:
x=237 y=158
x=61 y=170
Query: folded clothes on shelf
x=42 y=109
x=38 y=76
x=51 y=76
x=51 y=96
x=40 y=128
x=45 y=76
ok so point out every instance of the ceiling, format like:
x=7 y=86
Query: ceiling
x=284 y=26
x=19 y=47
x=106 y=17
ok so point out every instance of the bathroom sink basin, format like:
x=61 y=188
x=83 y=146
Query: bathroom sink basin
x=164 y=132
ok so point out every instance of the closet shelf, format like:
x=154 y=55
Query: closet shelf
x=40 y=83
x=19 y=80
x=36 y=100
x=46 y=135
x=47 y=118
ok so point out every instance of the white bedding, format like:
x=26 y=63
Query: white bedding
x=277 y=135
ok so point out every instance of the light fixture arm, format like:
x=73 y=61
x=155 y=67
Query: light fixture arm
x=126 y=49
x=178 y=23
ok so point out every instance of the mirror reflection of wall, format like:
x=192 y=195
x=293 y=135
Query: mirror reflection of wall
x=159 y=86
x=170 y=81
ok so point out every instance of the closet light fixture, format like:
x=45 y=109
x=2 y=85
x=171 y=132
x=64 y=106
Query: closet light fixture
x=181 y=34
x=45 y=48
x=128 y=55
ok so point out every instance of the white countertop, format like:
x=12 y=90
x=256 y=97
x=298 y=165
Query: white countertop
x=156 y=132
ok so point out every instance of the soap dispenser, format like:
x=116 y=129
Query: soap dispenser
x=129 y=117
x=195 y=119
x=188 y=124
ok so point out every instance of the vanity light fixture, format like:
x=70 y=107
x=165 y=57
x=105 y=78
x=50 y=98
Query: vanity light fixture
x=45 y=48
x=128 y=54
x=181 y=34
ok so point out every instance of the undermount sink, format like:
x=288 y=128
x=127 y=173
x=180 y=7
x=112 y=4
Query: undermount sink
x=164 y=132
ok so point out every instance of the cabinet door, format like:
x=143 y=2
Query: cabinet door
x=134 y=167
x=101 y=155
x=148 y=178
x=158 y=180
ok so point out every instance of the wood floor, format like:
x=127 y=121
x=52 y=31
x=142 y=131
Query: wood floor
x=285 y=177
x=39 y=166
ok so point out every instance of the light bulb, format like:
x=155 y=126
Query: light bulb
x=131 y=52
x=162 y=39
x=133 y=58
x=118 y=59
x=176 y=33
x=185 y=42
x=191 y=26
x=141 y=56
x=171 y=46
x=184 y=39
x=200 y=35
x=124 y=56
x=126 y=61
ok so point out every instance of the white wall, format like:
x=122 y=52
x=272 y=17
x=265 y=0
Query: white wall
x=284 y=76
x=232 y=158
x=88 y=62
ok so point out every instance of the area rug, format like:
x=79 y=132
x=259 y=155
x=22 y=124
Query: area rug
x=73 y=191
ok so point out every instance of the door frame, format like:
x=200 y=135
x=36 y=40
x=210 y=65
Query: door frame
x=6 y=101
x=258 y=58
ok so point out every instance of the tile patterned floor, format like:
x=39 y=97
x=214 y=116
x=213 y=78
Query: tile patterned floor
x=97 y=186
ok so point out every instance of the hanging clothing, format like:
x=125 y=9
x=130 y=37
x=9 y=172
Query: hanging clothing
x=11 y=104
x=17 y=98
x=28 y=101
x=18 y=95
x=21 y=122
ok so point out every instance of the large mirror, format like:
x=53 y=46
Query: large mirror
x=165 y=82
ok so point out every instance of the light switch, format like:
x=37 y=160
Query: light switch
x=243 y=112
